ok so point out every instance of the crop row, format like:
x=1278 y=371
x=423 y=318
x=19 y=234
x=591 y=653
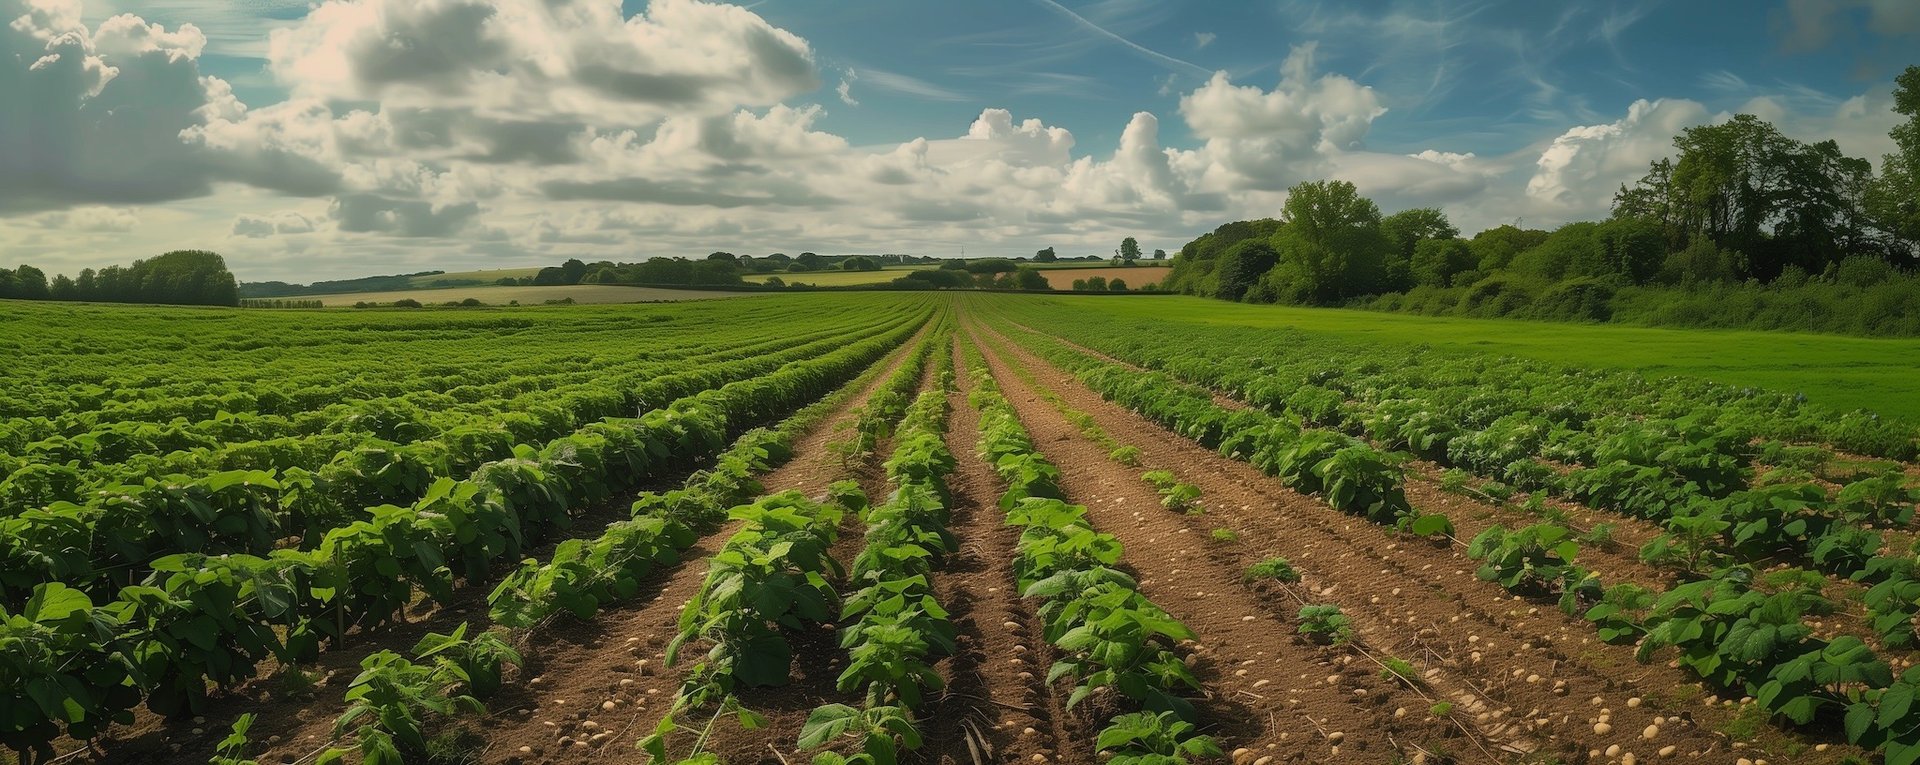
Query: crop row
x=1728 y=630
x=108 y=541
x=204 y=620
x=894 y=626
x=1708 y=528
x=583 y=575
x=369 y=451
x=1110 y=639
x=1350 y=474
x=578 y=579
x=1470 y=391
x=155 y=365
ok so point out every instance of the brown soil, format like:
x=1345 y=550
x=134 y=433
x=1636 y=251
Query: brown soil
x=1412 y=600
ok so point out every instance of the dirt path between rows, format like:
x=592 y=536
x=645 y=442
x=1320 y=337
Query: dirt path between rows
x=1522 y=671
x=996 y=690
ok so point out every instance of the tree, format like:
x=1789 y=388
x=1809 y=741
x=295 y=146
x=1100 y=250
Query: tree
x=1159 y=254
x=1332 y=247
x=1495 y=248
x=30 y=283
x=726 y=256
x=1096 y=284
x=1129 y=249
x=63 y=288
x=1892 y=201
x=992 y=266
x=1242 y=265
x=574 y=270
x=1408 y=228
x=550 y=276
x=810 y=260
x=859 y=263
x=1045 y=256
x=1030 y=278
x=1436 y=261
x=1117 y=285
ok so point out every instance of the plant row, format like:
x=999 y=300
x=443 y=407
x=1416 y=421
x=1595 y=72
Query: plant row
x=1794 y=520
x=1350 y=474
x=771 y=578
x=581 y=576
x=203 y=621
x=1470 y=392
x=894 y=626
x=1735 y=630
x=108 y=540
x=464 y=424
x=1110 y=640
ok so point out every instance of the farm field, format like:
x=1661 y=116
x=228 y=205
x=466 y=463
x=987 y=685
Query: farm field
x=581 y=293
x=936 y=527
x=1059 y=275
x=1135 y=277
x=1838 y=371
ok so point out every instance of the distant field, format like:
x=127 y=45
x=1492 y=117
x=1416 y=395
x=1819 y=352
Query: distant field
x=1060 y=275
x=1837 y=371
x=485 y=276
x=581 y=293
x=835 y=278
x=1136 y=277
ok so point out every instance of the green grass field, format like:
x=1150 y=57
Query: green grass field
x=581 y=293
x=1838 y=371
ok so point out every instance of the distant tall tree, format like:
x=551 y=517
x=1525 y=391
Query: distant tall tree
x=1129 y=249
x=1159 y=254
x=1029 y=278
x=574 y=270
x=726 y=256
x=30 y=283
x=1331 y=247
x=1045 y=256
x=1893 y=199
x=1405 y=230
x=859 y=263
x=810 y=260
x=63 y=288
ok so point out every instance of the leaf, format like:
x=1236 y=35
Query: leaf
x=54 y=601
x=826 y=723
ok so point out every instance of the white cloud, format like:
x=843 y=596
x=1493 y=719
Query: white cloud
x=1580 y=171
x=1203 y=39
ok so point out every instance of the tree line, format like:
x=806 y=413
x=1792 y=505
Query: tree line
x=183 y=277
x=1742 y=226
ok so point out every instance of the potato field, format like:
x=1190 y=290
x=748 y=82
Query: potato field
x=877 y=528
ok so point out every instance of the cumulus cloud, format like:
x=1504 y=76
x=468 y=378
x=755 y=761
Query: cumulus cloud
x=546 y=59
x=1583 y=167
x=1258 y=139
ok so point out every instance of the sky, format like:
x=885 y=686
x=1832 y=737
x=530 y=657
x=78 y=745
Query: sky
x=319 y=140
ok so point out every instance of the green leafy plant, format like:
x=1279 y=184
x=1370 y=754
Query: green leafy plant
x=1325 y=623
x=1277 y=569
x=1145 y=738
x=1225 y=535
x=884 y=732
x=1125 y=455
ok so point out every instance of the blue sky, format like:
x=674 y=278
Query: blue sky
x=510 y=132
